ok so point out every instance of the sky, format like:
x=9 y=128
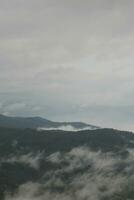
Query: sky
x=68 y=60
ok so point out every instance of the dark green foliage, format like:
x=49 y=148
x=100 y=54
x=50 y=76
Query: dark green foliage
x=23 y=141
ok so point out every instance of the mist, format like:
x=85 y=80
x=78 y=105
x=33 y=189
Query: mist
x=85 y=174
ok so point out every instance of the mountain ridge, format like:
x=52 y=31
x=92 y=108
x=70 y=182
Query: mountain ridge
x=39 y=122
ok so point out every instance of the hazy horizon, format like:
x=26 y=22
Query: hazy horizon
x=68 y=60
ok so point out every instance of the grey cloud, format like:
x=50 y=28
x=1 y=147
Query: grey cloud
x=60 y=54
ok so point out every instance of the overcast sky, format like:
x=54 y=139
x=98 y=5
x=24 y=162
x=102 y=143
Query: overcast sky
x=68 y=60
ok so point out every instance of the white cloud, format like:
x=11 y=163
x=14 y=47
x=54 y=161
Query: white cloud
x=33 y=160
x=67 y=128
x=95 y=176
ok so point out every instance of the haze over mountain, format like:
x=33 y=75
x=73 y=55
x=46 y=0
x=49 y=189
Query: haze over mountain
x=41 y=123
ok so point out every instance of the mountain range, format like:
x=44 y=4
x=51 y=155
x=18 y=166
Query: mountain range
x=53 y=164
x=38 y=122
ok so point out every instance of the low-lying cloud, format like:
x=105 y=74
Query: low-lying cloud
x=33 y=160
x=82 y=174
x=67 y=128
